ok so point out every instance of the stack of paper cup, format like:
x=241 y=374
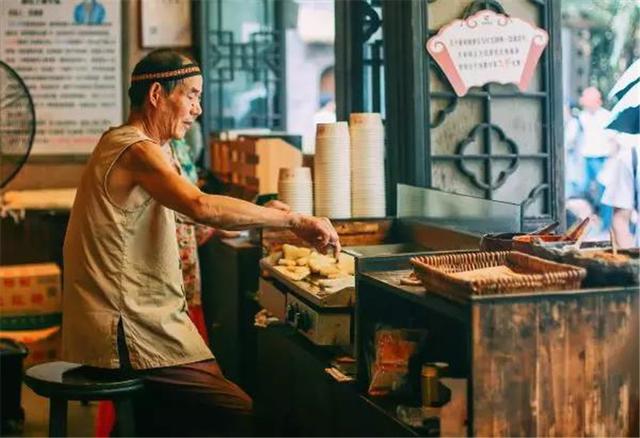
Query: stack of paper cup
x=295 y=188
x=367 y=165
x=332 y=171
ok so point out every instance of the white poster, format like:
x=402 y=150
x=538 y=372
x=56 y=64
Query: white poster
x=488 y=47
x=68 y=52
x=166 y=23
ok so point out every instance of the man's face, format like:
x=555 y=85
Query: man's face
x=180 y=109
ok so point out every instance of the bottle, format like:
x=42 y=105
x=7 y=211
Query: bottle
x=429 y=385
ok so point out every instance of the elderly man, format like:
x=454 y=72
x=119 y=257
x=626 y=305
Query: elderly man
x=124 y=304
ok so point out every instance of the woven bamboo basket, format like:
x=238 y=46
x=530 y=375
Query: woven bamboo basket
x=534 y=274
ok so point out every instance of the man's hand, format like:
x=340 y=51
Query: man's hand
x=318 y=232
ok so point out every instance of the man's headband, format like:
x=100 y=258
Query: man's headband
x=185 y=71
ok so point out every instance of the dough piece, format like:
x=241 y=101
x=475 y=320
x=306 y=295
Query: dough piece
x=303 y=261
x=347 y=264
x=331 y=271
x=286 y=262
x=294 y=273
x=293 y=252
x=317 y=262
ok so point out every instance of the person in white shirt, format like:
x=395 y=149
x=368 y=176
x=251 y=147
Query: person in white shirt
x=574 y=161
x=596 y=147
x=622 y=192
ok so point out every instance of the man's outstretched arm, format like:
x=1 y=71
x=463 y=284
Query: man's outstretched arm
x=154 y=174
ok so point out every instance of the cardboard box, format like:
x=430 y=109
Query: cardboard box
x=253 y=163
x=30 y=289
x=44 y=345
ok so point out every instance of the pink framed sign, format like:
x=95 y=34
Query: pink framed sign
x=488 y=47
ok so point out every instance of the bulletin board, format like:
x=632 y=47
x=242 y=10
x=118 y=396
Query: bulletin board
x=68 y=52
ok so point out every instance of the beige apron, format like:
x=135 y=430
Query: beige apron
x=122 y=264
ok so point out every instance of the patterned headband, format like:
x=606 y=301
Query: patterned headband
x=183 y=72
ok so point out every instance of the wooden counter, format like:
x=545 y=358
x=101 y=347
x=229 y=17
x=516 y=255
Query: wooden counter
x=229 y=270
x=296 y=397
x=561 y=363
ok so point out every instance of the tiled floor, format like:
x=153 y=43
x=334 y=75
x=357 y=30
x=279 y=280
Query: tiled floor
x=80 y=420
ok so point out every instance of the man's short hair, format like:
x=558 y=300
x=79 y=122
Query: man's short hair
x=158 y=60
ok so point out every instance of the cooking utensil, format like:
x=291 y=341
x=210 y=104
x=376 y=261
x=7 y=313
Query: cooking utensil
x=504 y=241
x=546 y=229
x=578 y=243
x=577 y=229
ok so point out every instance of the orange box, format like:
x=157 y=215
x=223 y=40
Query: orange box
x=44 y=345
x=30 y=289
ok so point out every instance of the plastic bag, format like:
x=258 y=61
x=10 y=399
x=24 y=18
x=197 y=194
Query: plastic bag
x=393 y=350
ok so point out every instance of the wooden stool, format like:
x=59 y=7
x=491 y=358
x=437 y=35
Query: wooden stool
x=64 y=381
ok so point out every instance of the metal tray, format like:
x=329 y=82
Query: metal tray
x=311 y=292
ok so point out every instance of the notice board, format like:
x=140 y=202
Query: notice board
x=68 y=52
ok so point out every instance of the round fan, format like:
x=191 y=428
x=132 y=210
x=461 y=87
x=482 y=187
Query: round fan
x=17 y=123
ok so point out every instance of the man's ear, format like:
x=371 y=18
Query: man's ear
x=155 y=93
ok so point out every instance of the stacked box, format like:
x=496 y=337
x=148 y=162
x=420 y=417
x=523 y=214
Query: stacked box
x=30 y=308
x=30 y=289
